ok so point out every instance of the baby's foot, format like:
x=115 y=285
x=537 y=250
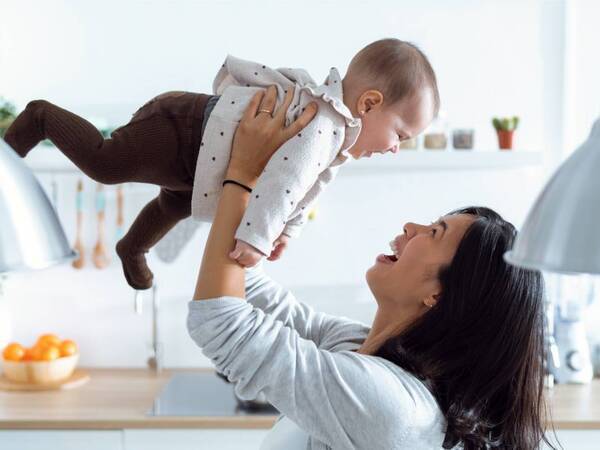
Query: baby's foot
x=27 y=130
x=137 y=272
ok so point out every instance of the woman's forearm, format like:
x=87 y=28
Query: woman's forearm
x=256 y=138
x=220 y=275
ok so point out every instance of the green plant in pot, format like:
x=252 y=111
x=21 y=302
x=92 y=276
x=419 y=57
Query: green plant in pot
x=505 y=128
x=8 y=113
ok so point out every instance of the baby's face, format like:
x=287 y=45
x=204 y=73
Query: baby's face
x=383 y=127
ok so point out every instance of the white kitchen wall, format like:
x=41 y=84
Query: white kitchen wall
x=104 y=59
x=582 y=93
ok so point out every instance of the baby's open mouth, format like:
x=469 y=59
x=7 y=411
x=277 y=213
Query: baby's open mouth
x=392 y=258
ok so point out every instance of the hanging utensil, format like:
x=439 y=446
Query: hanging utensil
x=100 y=254
x=78 y=246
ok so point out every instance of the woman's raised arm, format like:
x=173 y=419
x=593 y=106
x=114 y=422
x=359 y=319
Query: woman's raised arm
x=256 y=139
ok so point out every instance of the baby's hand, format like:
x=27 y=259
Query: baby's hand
x=278 y=247
x=245 y=254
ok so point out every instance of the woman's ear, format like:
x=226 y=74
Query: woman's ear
x=432 y=300
x=369 y=100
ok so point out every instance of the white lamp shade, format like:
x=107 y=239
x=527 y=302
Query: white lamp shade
x=31 y=236
x=562 y=230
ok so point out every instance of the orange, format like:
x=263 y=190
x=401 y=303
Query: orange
x=28 y=354
x=48 y=339
x=13 y=352
x=68 y=348
x=36 y=352
x=50 y=353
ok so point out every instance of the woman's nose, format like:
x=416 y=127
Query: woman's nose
x=409 y=229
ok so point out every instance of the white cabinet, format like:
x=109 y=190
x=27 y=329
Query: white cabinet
x=576 y=439
x=192 y=439
x=222 y=439
x=61 y=440
x=132 y=439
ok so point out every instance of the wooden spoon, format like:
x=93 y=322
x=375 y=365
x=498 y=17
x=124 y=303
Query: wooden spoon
x=100 y=254
x=78 y=246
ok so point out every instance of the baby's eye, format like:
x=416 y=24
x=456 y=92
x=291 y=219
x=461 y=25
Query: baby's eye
x=433 y=230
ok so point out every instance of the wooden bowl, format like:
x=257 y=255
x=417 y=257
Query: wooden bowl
x=40 y=372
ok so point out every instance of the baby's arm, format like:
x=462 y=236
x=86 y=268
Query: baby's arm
x=298 y=220
x=292 y=170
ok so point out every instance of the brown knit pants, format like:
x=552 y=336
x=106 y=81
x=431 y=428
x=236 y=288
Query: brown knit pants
x=158 y=146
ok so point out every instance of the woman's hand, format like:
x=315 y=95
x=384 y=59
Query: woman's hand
x=255 y=141
x=260 y=134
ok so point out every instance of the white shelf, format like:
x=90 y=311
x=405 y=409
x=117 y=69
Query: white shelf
x=47 y=159
x=448 y=159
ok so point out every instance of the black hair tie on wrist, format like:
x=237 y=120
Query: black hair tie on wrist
x=239 y=184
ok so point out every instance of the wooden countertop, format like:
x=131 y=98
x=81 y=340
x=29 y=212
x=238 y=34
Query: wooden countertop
x=121 y=398
x=112 y=399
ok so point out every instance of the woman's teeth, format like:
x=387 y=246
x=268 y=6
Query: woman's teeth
x=394 y=248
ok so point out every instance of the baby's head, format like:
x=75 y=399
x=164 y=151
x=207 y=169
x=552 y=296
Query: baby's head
x=392 y=87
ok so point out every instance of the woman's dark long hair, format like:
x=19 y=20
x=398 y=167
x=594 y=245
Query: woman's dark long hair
x=480 y=349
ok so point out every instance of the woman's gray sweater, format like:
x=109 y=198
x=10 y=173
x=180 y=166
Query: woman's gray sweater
x=304 y=363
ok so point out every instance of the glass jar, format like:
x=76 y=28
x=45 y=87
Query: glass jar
x=462 y=139
x=436 y=136
x=409 y=144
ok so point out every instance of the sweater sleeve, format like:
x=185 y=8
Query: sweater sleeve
x=325 y=330
x=287 y=177
x=294 y=226
x=343 y=399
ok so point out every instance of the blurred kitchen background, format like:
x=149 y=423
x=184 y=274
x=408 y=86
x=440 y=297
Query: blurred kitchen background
x=534 y=59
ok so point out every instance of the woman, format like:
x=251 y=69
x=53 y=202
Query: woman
x=454 y=354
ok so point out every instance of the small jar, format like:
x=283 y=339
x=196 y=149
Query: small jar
x=409 y=144
x=436 y=137
x=462 y=139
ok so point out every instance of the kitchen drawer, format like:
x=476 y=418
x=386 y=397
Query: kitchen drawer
x=61 y=440
x=577 y=439
x=222 y=439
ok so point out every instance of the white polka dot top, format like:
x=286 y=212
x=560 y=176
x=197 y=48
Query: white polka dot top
x=301 y=168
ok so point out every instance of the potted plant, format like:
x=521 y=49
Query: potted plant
x=7 y=115
x=505 y=128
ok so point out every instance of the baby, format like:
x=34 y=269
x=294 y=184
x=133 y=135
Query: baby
x=181 y=141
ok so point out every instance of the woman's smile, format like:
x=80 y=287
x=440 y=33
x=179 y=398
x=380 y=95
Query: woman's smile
x=386 y=259
x=390 y=259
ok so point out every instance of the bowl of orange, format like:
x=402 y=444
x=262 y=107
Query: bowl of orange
x=50 y=360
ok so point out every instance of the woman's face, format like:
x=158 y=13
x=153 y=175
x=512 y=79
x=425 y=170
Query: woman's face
x=408 y=275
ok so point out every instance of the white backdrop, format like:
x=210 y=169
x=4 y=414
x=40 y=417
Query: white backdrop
x=105 y=59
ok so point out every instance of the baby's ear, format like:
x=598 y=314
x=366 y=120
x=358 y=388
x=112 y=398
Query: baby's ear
x=370 y=99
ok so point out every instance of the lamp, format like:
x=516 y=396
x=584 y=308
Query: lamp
x=561 y=231
x=31 y=236
x=560 y=234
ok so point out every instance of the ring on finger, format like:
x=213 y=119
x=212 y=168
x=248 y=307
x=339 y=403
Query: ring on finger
x=265 y=111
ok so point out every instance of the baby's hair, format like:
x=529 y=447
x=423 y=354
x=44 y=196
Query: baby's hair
x=397 y=68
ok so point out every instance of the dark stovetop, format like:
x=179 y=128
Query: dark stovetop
x=201 y=394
